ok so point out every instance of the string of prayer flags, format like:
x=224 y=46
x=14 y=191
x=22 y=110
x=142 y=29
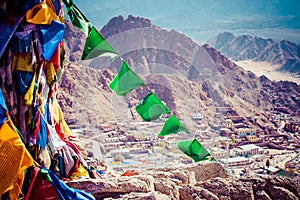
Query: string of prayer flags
x=193 y=149
x=125 y=81
x=172 y=125
x=95 y=44
x=76 y=16
x=151 y=108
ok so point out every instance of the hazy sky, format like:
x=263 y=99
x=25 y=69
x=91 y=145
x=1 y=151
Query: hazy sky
x=203 y=19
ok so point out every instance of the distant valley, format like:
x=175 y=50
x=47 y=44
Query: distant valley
x=269 y=70
x=284 y=55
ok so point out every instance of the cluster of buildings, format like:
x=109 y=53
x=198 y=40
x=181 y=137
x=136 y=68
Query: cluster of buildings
x=136 y=147
x=239 y=142
x=252 y=144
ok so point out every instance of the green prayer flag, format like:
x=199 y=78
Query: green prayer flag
x=96 y=45
x=212 y=159
x=151 y=108
x=77 y=18
x=193 y=149
x=125 y=81
x=172 y=125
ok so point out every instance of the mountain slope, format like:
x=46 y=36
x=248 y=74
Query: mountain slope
x=189 y=78
x=284 y=53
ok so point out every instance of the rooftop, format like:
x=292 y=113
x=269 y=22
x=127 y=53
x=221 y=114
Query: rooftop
x=249 y=147
x=236 y=159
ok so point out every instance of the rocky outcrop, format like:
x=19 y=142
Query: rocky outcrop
x=206 y=180
x=74 y=43
x=246 y=47
x=221 y=61
x=119 y=24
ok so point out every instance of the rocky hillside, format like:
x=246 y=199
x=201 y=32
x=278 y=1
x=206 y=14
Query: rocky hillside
x=245 y=47
x=189 y=78
x=206 y=181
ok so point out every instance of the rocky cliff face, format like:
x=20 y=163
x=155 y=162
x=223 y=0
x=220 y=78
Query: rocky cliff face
x=74 y=42
x=247 y=47
x=194 y=181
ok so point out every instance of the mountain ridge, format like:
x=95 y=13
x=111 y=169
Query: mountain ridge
x=189 y=79
x=200 y=21
x=245 y=47
x=210 y=79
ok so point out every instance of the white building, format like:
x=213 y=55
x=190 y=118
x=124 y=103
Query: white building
x=259 y=157
x=236 y=161
x=248 y=149
x=124 y=152
x=138 y=150
x=197 y=116
x=219 y=153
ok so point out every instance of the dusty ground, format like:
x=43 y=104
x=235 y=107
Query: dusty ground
x=270 y=71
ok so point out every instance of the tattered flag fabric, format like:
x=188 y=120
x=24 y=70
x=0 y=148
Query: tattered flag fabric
x=40 y=186
x=7 y=32
x=21 y=40
x=151 y=108
x=42 y=137
x=76 y=17
x=96 y=45
x=125 y=81
x=22 y=62
x=3 y=109
x=172 y=125
x=24 y=80
x=14 y=159
x=42 y=14
x=52 y=35
x=28 y=4
x=65 y=192
x=193 y=149
x=50 y=73
x=68 y=3
x=28 y=96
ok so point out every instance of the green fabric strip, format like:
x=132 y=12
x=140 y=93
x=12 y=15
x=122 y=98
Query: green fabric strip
x=151 y=108
x=172 y=125
x=194 y=150
x=125 y=81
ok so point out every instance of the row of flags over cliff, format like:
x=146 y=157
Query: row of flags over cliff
x=150 y=107
x=31 y=63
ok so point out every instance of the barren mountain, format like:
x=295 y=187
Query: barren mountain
x=189 y=78
x=245 y=47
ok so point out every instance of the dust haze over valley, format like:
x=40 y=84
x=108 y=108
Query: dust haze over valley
x=269 y=70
